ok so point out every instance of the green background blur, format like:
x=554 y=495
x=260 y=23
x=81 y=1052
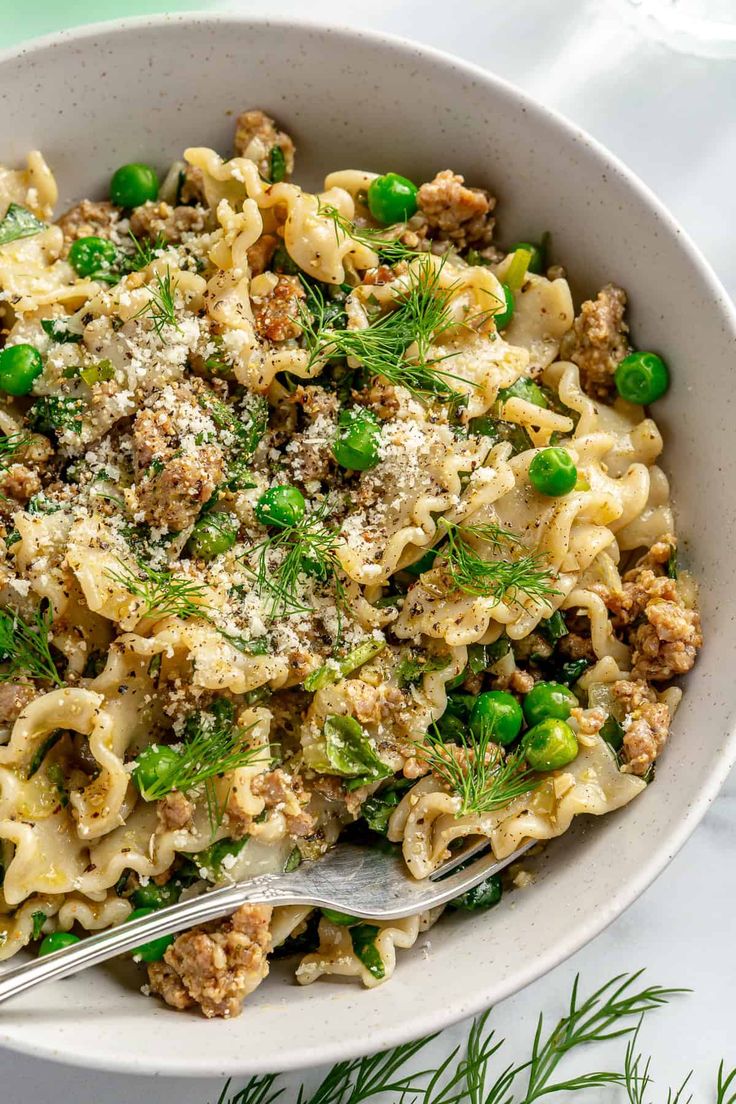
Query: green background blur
x=23 y=19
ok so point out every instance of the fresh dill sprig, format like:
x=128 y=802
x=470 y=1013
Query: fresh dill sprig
x=160 y=592
x=504 y=580
x=606 y=1014
x=464 y=1076
x=397 y=346
x=213 y=745
x=354 y=1081
x=10 y=445
x=390 y=250
x=145 y=250
x=303 y=550
x=25 y=648
x=257 y=1091
x=476 y=771
x=161 y=307
x=726 y=1084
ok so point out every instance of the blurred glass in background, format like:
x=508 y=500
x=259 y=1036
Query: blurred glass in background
x=703 y=27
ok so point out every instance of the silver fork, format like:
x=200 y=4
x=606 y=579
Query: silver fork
x=363 y=881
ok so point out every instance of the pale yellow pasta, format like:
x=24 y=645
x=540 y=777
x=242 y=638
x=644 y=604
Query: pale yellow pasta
x=269 y=523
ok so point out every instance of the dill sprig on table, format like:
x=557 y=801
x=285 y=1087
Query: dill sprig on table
x=504 y=580
x=161 y=593
x=397 y=346
x=465 y=1076
x=306 y=549
x=25 y=647
x=476 y=771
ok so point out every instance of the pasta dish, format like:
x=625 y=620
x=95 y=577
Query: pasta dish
x=321 y=516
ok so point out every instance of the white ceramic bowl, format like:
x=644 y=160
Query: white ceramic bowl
x=143 y=90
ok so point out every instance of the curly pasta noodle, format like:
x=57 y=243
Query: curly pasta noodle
x=269 y=526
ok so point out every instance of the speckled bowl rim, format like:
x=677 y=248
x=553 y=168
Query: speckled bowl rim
x=430 y=1018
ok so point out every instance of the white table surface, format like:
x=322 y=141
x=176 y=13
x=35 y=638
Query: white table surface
x=671 y=118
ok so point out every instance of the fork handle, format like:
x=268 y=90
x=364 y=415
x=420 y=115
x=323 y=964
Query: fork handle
x=266 y=888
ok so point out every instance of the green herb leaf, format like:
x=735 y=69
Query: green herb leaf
x=386 y=242
x=503 y=580
x=25 y=648
x=396 y=347
x=58 y=330
x=475 y=770
x=56 y=414
x=161 y=593
x=553 y=628
x=363 y=938
x=305 y=549
x=414 y=666
x=338 y=669
x=481 y=897
x=672 y=562
x=613 y=733
x=214 y=859
x=18 y=222
x=293 y=861
x=276 y=165
x=377 y=809
x=39 y=919
x=161 y=306
x=347 y=751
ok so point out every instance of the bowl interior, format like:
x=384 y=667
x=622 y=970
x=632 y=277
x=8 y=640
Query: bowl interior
x=144 y=90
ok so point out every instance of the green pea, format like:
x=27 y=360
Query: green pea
x=88 y=255
x=281 y=506
x=548 y=699
x=552 y=472
x=153 y=764
x=481 y=897
x=154 y=950
x=20 y=365
x=642 y=378
x=212 y=535
x=551 y=744
x=499 y=714
x=536 y=264
x=344 y=919
x=57 y=941
x=392 y=198
x=358 y=435
x=503 y=317
x=133 y=184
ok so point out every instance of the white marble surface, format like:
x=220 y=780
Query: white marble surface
x=671 y=118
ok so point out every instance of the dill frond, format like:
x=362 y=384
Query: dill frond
x=145 y=250
x=161 y=307
x=10 y=445
x=464 y=1076
x=390 y=249
x=396 y=347
x=306 y=549
x=476 y=771
x=504 y=580
x=606 y=1014
x=160 y=592
x=212 y=746
x=25 y=648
